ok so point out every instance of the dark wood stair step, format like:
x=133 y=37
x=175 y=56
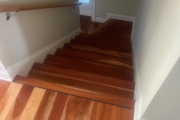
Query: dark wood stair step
x=84 y=85
x=111 y=99
x=102 y=38
x=111 y=71
x=89 y=44
x=103 y=44
x=105 y=25
x=112 y=25
x=95 y=58
x=111 y=43
x=98 y=51
x=83 y=76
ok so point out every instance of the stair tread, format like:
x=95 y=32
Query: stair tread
x=111 y=71
x=98 y=51
x=111 y=43
x=103 y=38
x=83 y=76
x=104 y=25
x=101 y=44
x=88 y=44
x=94 y=57
x=112 y=26
x=102 y=97
x=81 y=84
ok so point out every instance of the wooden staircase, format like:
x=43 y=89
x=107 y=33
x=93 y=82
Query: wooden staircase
x=97 y=67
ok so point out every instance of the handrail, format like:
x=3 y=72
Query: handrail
x=22 y=7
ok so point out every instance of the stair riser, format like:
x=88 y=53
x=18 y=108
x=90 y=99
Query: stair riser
x=122 y=102
x=94 y=58
x=106 y=81
x=85 y=66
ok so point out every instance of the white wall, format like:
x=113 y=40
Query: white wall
x=30 y=31
x=1 y=65
x=120 y=7
x=165 y=105
x=156 y=44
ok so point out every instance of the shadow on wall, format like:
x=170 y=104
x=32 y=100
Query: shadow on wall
x=29 y=31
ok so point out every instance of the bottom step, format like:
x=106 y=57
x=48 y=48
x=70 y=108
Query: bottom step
x=115 y=100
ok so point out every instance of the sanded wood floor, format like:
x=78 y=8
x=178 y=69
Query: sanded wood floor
x=24 y=102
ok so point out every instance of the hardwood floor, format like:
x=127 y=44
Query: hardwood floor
x=87 y=25
x=24 y=102
x=90 y=78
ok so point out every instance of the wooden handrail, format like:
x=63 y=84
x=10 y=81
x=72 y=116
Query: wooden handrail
x=22 y=7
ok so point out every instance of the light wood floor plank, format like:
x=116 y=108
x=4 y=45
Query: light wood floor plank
x=46 y=106
x=110 y=112
x=20 y=103
x=33 y=104
x=77 y=109
x=8 y=99
x=4 y=85
x=58 y=106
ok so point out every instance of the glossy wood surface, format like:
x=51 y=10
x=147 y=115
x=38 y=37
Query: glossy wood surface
x=22 y=7
x=83 y=76
x=23 y=102
x=88 y=26
x=115 y=29
x=95 y=58
x=109 y=71
x=99 y=51
x=90 y=78
x=101 y=46
x=105 y=98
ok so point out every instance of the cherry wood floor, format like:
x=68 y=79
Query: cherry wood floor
x=90 y=78
x=24 y=102
x=87 y=25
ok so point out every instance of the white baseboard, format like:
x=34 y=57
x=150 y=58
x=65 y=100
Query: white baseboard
x=133 y=29
x=138 y=98
x=120 y=17
x=101 y=20
x=115 y=16
x=22 y=67
x=86 y=13
x=4 y=75
x=138 y=90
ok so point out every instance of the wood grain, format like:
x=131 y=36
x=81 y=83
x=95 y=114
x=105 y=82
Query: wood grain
x=4 y=87
x=90 y=78
x=83 y=76
x=102 y=46
x=58 y=106
x=9 y=99
x=81 y=65
x=22 y=7
x=111 y=99
x=46 y=105
x=87 y=26
x=20 y=103
x=95 y=58
x=84 y=85
x=108 y=112
x=97 y=38
x=77 y=109
x=97 y=51
x=33 y=104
